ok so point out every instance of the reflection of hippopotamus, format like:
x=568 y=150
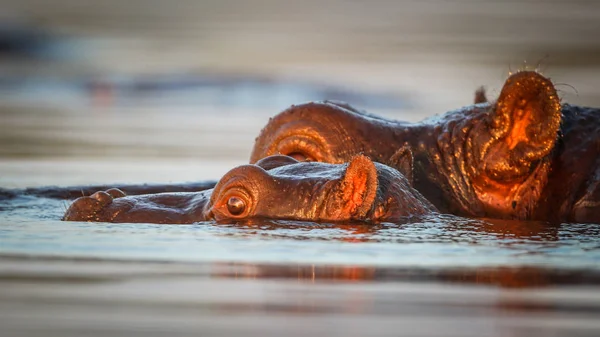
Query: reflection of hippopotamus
x=523 y=157
x=276 y=187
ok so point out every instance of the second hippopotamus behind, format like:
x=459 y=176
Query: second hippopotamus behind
x=276 y=187
x=525 y=156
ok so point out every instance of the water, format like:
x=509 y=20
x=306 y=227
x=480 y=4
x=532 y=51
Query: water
x=425 y=242
x=431 y=276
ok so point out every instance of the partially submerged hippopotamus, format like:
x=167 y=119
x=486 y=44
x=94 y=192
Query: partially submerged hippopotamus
x=525 y=156
x=276 y=187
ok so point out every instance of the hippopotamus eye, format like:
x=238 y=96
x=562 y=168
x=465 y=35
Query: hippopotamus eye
x=236 y=205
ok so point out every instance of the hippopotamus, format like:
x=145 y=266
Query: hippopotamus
x=524 y=156
x=276 y=187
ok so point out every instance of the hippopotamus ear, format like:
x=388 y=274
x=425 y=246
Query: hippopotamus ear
x=358 y=187
x=402 y=160
x=526 y=116
x=480 y=96
x=272 y=162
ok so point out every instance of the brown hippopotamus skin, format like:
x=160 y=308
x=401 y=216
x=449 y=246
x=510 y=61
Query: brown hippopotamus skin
x=524 y=156
x=277 y=187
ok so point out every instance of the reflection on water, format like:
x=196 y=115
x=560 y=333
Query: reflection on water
x=505 y=277
x=67 y=297
x=430 y=276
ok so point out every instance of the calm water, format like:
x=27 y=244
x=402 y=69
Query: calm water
x=424 y=242
x=428 y=276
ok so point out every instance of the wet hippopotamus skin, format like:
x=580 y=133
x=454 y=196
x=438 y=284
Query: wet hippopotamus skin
x=276 y=187
x=524 y=156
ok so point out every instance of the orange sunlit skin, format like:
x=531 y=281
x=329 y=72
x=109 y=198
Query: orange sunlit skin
x=523 y=156
x=276 y=187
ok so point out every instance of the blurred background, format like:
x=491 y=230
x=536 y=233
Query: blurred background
x=162 y=91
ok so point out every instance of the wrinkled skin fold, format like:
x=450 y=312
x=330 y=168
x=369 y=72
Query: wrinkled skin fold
x=524 y=156
x=277 y=187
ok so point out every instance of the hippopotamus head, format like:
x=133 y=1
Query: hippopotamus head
x=276 y=187
x=283 y=188
x=488 y=159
